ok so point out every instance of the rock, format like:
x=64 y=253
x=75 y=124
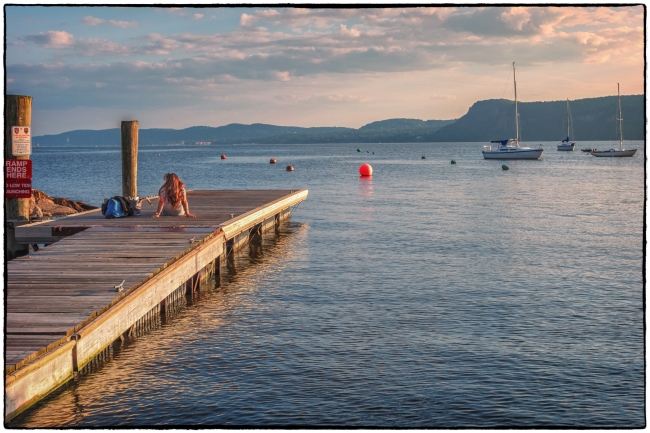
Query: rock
x=54 y=209
x=41 y=205
x=37 y=195
x=67 y=203
x=86 y=206
x=35 y=212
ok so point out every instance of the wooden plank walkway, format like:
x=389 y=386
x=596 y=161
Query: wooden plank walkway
x=66 y=291
x=59 y=287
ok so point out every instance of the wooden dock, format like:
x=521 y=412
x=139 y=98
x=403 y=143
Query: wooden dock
x=62 y=304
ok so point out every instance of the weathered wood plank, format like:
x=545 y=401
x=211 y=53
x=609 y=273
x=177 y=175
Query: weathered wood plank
x=57 y=304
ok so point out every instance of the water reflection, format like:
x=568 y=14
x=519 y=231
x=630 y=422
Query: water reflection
x=365 y=185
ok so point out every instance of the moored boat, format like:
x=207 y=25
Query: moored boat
x=510 y=149
x=620 y=152
x=567 y=144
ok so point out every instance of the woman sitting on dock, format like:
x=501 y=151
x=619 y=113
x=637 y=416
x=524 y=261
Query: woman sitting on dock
x=173 y=200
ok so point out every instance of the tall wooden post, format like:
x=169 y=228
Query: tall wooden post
x=129 y=158
x=18 y=112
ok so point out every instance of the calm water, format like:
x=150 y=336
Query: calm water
x=432 y=295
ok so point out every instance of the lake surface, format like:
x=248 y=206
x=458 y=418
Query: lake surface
x=430 y=295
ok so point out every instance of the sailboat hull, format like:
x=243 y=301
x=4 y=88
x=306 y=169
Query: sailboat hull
x=513 y=154
x=569 y=147
x=614 y=153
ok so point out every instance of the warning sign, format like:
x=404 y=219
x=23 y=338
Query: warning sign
x=17 y=169
x=18 y=189
x=21 y=140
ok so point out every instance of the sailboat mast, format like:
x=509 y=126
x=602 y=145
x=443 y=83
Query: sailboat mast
x=514 y=77
x=620 y=119
x=568 y=121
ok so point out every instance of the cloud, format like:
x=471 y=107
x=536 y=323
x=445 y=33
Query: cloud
x=343 y=41
x=351 y=32
x=92 y=21
x=123 y=24
x=299 y=17
x=282 y=75
x=65 y=42
x=247 y=20
x=52 y=39
x=332 y=98
x=197 y=16
x=320 y=44
x=494 y=22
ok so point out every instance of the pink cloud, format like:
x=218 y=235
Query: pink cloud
x=53 y=39
x=247 y=20
x=349 y=32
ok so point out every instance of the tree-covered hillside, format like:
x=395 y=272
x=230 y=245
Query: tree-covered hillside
x=593 y=119
x=403 y=124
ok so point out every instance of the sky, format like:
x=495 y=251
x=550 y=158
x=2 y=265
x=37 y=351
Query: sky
x=90 y=67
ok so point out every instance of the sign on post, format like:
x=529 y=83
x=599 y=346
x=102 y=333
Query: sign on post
x=18 y=189
x=21 y=140
x=16 y=169
x=18 y=178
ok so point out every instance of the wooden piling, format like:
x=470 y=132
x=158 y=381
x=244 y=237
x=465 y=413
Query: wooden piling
x=18 y=112
x=129 y=130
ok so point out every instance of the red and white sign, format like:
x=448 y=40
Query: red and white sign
x=18 y=169
x=21 y=140
x=18 y=189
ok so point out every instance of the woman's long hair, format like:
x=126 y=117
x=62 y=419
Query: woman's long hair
x=171 y=189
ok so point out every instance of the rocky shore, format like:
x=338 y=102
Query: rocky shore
x=42 y=205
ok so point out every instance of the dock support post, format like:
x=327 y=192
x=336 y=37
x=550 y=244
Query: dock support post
x=18 y=112
x=129 y=130
x=163 y=307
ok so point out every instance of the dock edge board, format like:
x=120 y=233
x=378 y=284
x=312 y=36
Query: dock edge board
x=28 y=385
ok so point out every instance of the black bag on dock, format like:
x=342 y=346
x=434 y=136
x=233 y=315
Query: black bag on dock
x=124 y=203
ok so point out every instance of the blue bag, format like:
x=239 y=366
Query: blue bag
x=114 y=209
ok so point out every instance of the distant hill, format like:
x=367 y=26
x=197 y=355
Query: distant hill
x=494 y=119
x=593 y=119
x=403 y=130
x=399 y=124
x=232 y=133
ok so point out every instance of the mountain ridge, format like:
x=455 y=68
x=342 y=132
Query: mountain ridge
x=491 y=119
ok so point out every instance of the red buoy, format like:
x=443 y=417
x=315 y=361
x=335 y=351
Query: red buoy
x=365 y=170
x=273 y=161
x=289 y=167
x=223 y=156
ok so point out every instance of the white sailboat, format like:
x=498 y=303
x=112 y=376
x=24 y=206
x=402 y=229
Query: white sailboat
x=620 y=151
x=510 y=149
x=567 y=143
